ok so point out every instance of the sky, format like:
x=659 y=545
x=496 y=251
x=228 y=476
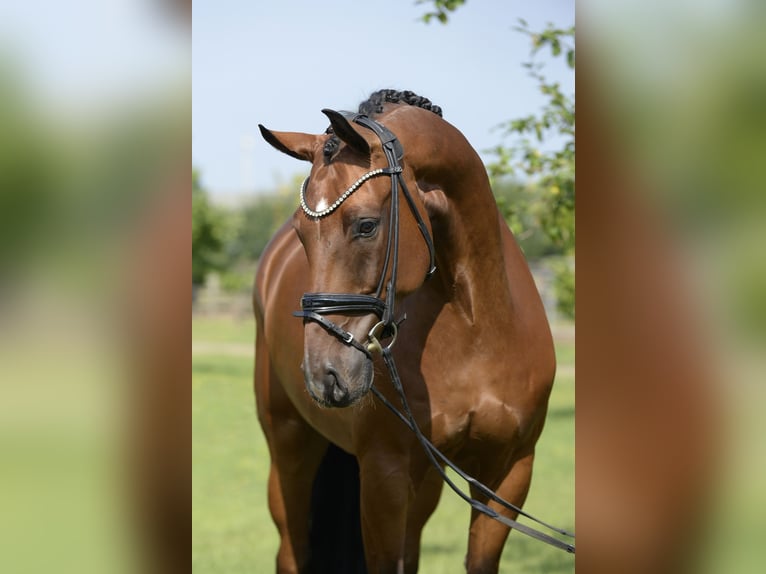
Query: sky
x=279 y=63
x=84 y=53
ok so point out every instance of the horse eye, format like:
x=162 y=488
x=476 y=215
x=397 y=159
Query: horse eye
x=367 y=228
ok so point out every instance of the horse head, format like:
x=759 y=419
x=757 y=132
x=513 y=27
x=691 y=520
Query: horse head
x=364 y=253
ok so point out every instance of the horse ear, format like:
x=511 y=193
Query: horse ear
x=346 y=132
x=295 y=144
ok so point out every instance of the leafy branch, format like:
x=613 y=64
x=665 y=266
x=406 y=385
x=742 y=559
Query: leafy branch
x=442 y=9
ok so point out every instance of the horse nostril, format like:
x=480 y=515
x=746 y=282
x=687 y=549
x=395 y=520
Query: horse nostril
x=335 y=386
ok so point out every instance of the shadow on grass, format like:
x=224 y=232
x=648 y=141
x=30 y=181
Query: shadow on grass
x=567 y=412
x=528 y=555
x=224 y=366
x=436 y=548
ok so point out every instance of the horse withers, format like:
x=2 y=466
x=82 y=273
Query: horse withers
x=397 y=249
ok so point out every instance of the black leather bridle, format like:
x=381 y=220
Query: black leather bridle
x=315 y=305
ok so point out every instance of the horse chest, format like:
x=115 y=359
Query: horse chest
x=467 y=403
x=481 y=388
x=468 y=418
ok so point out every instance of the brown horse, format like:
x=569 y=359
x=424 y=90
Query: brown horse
x=475 y=354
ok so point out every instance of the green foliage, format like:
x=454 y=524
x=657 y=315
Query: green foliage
x=238 y=235
x=237 y=280
x=547 y=202
x=207 y=233
x=258 y=220
x=520 y=203
x=443 y=7
x=564 y=286
x=29 y=174
x=551 y=173
x=69 y=188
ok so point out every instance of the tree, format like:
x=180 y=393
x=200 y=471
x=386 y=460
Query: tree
x=246 y=231
x=550 y=172
x=260 y=217
x=207 y=233
x=442 y=8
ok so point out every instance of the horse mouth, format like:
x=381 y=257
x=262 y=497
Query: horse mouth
x=334 y=389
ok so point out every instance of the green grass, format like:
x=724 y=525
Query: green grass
x=231 y=527
x=232 y=530
x=223 y=329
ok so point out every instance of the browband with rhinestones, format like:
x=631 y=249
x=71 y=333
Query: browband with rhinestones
x=317 y=214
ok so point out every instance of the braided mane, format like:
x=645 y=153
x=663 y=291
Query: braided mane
x=373 y=106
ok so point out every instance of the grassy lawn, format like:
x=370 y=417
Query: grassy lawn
x=232 y=531
x=223 y=330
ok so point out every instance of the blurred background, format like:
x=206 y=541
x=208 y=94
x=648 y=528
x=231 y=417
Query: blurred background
x=94 y=263
x=671 y=286
x=95 y=396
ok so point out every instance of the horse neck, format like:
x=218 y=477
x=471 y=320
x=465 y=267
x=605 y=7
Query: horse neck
x=470 y=256
x=467 y=234
x=465 y=221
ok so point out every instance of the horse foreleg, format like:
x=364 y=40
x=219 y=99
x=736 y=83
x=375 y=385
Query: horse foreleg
x=296 y=452
x=487 y=536
x=386 y=491
x=421 y=508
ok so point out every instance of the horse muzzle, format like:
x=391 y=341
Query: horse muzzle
x=339 y=381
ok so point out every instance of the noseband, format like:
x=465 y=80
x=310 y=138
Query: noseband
x=315 y=305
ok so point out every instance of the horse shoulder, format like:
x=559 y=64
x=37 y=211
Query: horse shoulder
x=529 y=330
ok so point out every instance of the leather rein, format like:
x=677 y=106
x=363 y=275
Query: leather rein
x=315 y=305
